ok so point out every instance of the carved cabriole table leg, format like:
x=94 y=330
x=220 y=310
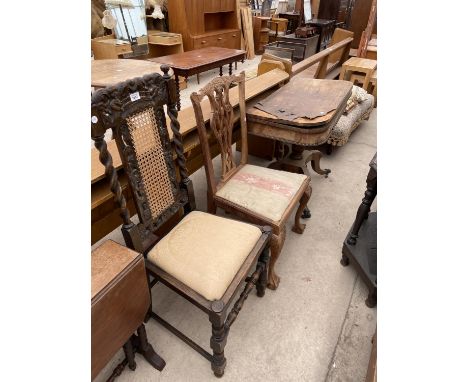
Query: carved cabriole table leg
x=364 y=208
x=314 y=159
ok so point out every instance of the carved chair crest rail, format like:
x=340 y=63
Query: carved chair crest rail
x=209 y=274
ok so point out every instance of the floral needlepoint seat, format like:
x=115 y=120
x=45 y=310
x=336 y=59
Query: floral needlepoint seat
x=262 y=190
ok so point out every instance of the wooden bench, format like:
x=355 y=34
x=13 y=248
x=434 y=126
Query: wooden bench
x=105 y=214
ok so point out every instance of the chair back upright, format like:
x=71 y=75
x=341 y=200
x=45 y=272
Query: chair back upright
x=221 y=124
x=134 y=110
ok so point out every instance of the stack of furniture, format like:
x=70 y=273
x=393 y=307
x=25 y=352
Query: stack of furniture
x=278 y=27
x=204 y=23
x=120 y=300
x=325 y=29
x=360 y=245
x=261 y=32
x=294 y=20
x=310 y=45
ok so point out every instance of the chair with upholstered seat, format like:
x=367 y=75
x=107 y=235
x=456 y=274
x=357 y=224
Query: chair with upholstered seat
x=258 y=194
x=204 y=258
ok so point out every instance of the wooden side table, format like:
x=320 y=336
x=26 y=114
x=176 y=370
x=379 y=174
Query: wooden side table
x=120 y=300
x=198 y=61
x=361 y=65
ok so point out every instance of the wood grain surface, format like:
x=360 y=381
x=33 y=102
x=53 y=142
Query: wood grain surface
x=110 y=72
x=303 y=103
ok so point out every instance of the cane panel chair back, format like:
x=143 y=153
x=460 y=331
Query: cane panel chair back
x=221 y=125
x=134 y=110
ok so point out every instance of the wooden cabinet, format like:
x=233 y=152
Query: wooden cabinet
x=204 y=23
x=260 y=32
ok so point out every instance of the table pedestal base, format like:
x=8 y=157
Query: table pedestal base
x=283 y=164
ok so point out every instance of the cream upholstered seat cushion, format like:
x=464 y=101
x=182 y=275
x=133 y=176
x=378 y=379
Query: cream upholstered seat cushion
x=205 y=252
x=264 y=191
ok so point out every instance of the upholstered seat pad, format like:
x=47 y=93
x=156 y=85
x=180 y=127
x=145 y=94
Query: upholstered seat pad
x=205 y=252
x=264 y=191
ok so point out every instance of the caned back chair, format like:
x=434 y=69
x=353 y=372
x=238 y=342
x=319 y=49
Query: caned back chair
x=208 y=274
x=259 y=195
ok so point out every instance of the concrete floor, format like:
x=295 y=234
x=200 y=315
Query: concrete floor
x=315 y=326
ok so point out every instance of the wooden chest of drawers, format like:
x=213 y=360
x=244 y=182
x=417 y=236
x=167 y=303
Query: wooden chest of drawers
x=229 y=39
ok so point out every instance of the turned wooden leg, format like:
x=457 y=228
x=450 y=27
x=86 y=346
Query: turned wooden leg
x=147 y=351
x=298 y=226
x=230 y=69
x=129 y=354
x=314 y=158
x=277 y=242
x=177 y=91
x=371 y=300
x=263 y=279
x=198 y=78
x=217 y=343
x=220 y=70
x=364 y=208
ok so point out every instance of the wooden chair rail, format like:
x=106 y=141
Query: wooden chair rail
x=323 y=56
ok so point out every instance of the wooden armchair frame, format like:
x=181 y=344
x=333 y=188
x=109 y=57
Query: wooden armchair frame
x=221 y=124
x=122 y=108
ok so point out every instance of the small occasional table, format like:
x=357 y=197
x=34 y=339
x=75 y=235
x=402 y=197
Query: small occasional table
x=198 y=61
x=360 y=65
x=110 y=72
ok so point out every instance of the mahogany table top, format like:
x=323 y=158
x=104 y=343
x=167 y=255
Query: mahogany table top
x=199 y=57
x=303 y=104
